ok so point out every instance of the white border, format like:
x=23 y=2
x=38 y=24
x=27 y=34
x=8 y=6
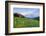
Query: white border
x=13 y=30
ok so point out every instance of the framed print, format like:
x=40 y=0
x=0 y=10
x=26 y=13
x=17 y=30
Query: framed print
x=24 y=17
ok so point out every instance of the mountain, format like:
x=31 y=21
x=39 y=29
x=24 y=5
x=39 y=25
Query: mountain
x=18 y=15
x=36 y=18
x=27 y=15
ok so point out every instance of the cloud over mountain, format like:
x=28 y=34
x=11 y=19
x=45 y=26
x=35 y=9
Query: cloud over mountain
x=27 y=12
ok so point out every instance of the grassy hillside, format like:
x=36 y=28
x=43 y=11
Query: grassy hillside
x=25 y=22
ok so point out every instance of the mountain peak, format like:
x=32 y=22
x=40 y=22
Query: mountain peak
x=18 y=15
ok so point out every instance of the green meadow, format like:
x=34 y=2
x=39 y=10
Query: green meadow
x=25 y=22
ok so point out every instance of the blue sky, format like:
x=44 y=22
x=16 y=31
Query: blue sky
x=27 y=12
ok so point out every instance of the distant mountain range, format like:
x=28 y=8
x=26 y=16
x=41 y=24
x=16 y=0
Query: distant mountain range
x=36 y=18
x=27 y=15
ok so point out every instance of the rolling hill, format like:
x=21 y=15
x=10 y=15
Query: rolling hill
x=25 y=22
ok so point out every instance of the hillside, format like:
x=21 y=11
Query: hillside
x=36 y=18
x=18 y=15
x=25 y=22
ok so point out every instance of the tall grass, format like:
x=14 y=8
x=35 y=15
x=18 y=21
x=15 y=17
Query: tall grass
x=25 y=22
